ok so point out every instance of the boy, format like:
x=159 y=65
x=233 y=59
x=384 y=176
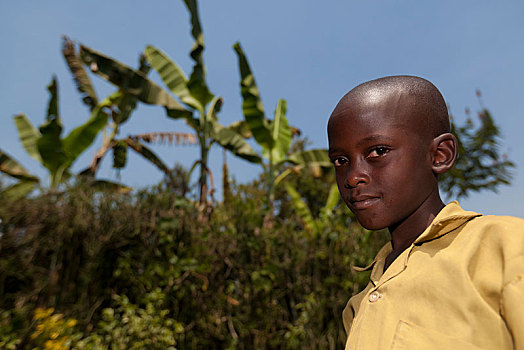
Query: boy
x=449 y=278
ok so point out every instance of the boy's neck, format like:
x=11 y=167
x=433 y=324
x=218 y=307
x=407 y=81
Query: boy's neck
x=406 y=232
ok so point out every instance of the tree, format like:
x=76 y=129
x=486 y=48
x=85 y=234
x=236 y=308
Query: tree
x=274 y=136
x=193 y=93
x=123 y=104
x=46 y=145
x=480 y=164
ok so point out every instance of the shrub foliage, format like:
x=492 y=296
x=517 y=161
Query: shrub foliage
x=141 y=271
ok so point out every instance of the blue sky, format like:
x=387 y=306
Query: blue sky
x=308 y=52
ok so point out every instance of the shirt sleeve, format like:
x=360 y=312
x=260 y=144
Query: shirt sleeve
x=512 y=309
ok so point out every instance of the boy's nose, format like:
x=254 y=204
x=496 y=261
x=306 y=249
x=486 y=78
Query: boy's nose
x=356 y=175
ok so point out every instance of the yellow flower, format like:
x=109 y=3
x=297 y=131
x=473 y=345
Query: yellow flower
x=42 y=313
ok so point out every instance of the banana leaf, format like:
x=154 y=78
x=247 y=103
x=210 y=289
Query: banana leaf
x=234 y=142
x=131 y=81
x=126 y=105
x=282 y=176
x=28 y=135
x=241 y=128
x=83 y=136
x=252 y=106
x=11 y=167
x=49 y=143
x=301 y=208
x=192 y=122
x=52 y=106
x=197 y=80
x=18 y=190
x=313 y=157
x=149 y=155
x=281 y=134
x=143 y=64
x=128 y=102
x=172 y=75
x=331 y=202
x=82 y=81
x=214 y=108
x=110 y=186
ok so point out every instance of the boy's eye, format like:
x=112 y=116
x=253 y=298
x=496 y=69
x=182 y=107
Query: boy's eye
x=378 y=152
x=339 y=161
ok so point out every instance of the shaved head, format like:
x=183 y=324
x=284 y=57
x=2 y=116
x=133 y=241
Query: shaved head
x=389 y=140
x=413 y=98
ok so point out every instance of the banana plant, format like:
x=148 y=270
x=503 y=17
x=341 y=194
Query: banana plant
x=46 y=145
x=26 y=181
x=198 y=107
x=274 y=136
x=314 y=225
x=123 y=104
x=80 y=76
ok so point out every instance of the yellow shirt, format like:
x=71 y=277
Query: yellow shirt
x=459 y=286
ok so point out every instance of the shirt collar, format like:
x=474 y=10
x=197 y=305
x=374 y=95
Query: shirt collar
x=449 y=218
x=380 y=257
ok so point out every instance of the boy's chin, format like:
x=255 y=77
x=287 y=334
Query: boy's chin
x=369 y=224
x=373 y=227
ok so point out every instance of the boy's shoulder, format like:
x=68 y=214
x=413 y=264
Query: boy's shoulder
x=501 y=232
x=504 y=222
x=454 y=215
x=489 y=240
x=508 y=227
x=500 y=222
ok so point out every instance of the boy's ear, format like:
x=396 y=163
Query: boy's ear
x=444 y=152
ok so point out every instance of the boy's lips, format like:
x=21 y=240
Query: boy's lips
x=363 y=202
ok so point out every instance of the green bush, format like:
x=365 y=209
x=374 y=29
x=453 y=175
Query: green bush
x=9 y=330
x=127 y=326
x=145 y=270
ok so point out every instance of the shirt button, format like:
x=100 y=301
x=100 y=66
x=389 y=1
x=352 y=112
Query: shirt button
x=374 y=296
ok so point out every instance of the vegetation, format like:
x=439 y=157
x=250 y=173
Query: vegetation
x=274 y=136
x=90 y=269
x=119 y=105
x=84 y=266
x=201 y=107
x=46 y=146
x=480 y=165
x=121 y=265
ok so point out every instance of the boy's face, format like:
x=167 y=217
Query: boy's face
x=382 y=158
